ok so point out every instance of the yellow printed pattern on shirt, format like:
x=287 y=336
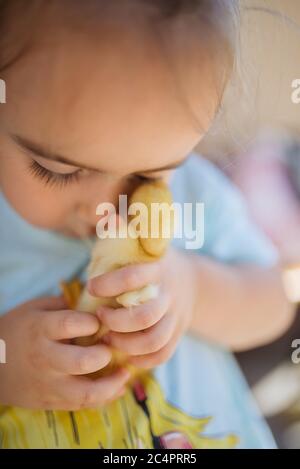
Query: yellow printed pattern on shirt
x=142 y=418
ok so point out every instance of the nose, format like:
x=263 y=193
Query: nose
x=92 y=197
x=87 y=205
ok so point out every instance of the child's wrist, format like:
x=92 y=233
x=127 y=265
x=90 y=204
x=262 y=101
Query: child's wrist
x=185 y=287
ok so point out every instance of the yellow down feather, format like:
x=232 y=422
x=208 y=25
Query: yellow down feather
x=112 y=253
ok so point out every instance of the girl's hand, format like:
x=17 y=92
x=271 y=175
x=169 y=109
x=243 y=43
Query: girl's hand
x=149 y=333
x=43 y=369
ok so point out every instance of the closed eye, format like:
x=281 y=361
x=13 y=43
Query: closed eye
x=53 y=178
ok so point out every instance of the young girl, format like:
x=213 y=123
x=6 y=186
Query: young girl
x=101 y=96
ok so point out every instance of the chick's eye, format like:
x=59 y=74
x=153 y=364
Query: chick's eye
x=52 y=178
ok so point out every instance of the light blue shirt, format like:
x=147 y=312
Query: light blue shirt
x=200 y=378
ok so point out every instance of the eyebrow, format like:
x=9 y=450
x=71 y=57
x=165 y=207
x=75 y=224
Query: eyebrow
x=39 y=151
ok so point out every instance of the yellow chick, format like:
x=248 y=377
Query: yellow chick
x=112 y=253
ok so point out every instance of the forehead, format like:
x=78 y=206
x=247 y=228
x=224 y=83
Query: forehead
x=99 y=92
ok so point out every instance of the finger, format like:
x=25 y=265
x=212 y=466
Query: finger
x=48 y=303
x=135 y=318
x=68 y=324
x=68 y=393
x=75 y=360
x=124 y=279
x=143 y=342
x=87 y=393
x=151 y=360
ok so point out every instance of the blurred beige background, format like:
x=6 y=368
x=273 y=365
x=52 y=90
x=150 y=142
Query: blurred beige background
x=259 y=96
x=257 y=101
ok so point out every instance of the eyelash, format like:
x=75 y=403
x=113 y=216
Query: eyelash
x=51 y=178
x=55 y=179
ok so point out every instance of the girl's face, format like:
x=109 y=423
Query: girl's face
x=90 y=113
